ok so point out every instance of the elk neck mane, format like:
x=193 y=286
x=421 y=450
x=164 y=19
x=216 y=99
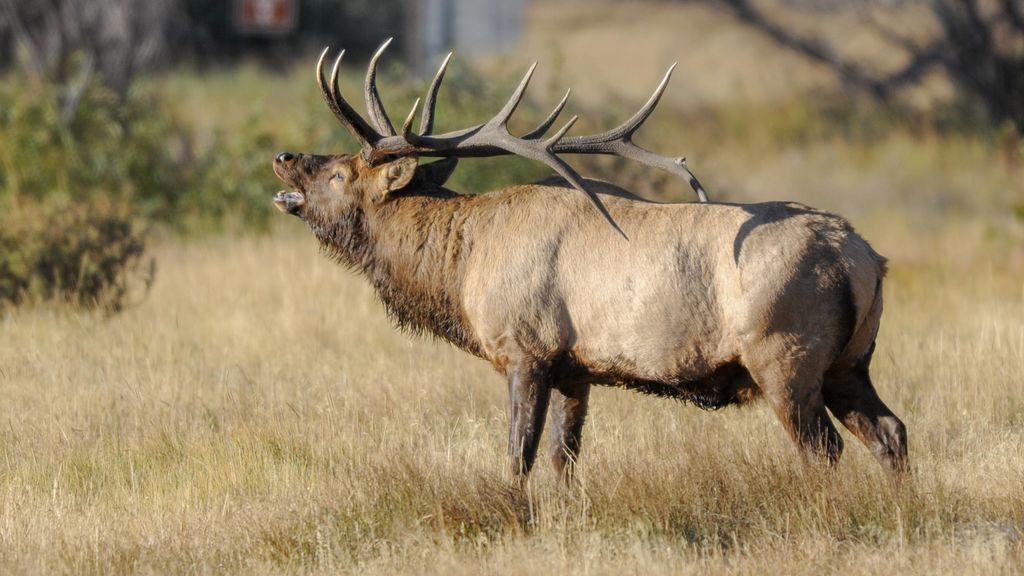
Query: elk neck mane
x=413 y=249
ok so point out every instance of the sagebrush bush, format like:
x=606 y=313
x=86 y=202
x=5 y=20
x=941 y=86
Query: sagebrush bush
x=76 y=195
x=89 y=253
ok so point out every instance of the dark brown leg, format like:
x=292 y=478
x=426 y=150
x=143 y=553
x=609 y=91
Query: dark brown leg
x=792 y=386
x=851 y=397
x=807 y=422
x=568 y=411
x=529 y=390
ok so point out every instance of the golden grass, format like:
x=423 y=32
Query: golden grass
x=258 y=413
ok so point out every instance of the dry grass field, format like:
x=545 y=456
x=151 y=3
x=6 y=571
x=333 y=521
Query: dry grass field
x=257 y=413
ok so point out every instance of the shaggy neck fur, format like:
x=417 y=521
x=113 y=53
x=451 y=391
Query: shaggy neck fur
x=413 y=249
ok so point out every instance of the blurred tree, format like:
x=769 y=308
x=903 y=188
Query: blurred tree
x=5 y=40
x=979 y=46
x=68 y=42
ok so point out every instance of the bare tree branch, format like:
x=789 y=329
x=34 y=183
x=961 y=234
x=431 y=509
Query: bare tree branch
x=1014 y=13
x=69 y=43
x=923 y=62
x=871 y=18
x=22 y=37
x=977 y=23
x=850 y=73
x=971 y=49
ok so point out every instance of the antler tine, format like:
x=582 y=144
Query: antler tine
x=322 y=83
x=501 y=118
x=355 y=124
x=572 y=176
x=626 y=130
x=465 y=142
x=407 y=125
x=546 y=124
x=561 y=132
x=702 y=195
x=427 y=122
x=494 y=133
x=631 y=125
x=619 y=142
x=498 y=135
x=374 y=106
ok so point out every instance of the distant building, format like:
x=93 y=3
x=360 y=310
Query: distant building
x=265 y=17
x=470 y=27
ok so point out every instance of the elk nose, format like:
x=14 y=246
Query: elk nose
x=285 y=156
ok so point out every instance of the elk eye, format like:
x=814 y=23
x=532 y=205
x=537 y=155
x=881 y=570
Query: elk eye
x=339 y=176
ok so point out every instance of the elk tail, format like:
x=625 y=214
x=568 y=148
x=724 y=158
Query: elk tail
x=865 y=273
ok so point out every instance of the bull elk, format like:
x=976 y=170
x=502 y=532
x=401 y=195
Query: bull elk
x=712 y=303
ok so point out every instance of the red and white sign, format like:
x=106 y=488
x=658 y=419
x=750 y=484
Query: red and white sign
x=272 y=17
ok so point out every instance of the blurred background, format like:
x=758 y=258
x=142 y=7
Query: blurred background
x=126 y=125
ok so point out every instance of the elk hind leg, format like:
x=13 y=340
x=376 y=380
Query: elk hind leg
x=798 y=403
x=851 y=397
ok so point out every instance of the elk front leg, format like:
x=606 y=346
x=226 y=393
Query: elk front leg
x=568 y=411
x=529 y=390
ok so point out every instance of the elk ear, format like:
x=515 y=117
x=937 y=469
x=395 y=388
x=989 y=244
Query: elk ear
x=396 y=175
x=435 y=174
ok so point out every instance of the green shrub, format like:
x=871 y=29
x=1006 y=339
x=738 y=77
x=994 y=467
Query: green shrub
x=131 y=151
x=76 y=195
x=89 y=253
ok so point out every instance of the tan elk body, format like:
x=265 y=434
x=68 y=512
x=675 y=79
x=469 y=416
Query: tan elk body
x=712 y=303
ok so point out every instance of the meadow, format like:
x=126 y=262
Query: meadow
x=257 y=413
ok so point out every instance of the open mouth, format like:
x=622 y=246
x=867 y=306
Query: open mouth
x=289 y=201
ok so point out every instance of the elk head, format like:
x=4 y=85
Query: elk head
x=334 y=186
x=331 y=183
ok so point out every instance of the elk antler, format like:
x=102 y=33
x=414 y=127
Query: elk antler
x=378 y=116
x=619 y=142
x=492 y=137
x=366 y=135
